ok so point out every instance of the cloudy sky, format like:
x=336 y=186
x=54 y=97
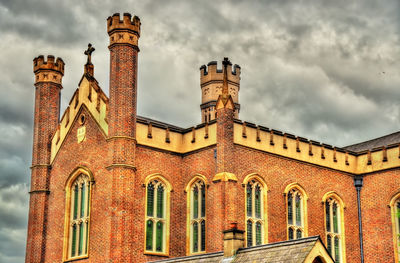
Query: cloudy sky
x=324 y=70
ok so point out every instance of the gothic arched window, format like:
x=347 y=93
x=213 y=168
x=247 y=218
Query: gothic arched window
x=78 y=193
x=157 y=216
x=334 y=227
x=198 y=217
x=395 y=211
x=254 y=213
x=296 y=212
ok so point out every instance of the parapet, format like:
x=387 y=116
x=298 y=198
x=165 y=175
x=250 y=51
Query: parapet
x=212 y=73
x=126 y=24
x=40 y=64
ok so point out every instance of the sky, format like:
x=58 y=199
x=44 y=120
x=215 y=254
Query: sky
x=324 y=70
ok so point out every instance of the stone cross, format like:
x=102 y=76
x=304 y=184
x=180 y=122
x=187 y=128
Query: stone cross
x=88 y=53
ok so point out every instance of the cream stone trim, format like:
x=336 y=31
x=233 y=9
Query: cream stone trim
x=40 y=165
x=79 y=171
x=319 y=251
x=194 y=178
x=121 y=137
x=304 y=212
x=297 y=148
x=224 y=177
x=123 y=165
x=178 y=142
x=124 y=37
x=98 y=113
x=47 y=191
x=189 y=211
x=264 y=201
x=334 y=196
x=48 y=75
x=395 y=225
x=165 y=220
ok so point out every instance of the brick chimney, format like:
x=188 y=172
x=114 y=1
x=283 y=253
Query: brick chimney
x=233 y=240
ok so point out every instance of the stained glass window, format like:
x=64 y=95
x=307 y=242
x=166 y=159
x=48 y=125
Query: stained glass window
x=79 y=216
x=333 y=229
x=155 y=216
x=395 y=203
x=295 y=214
x=198 y=216
x=254 y=215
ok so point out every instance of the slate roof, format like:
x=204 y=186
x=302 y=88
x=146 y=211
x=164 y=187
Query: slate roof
x=292 y=251
x=386 y=140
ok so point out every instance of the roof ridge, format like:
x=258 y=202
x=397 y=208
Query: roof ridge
x=282 y=243
x=374 y=139
x=206 y=255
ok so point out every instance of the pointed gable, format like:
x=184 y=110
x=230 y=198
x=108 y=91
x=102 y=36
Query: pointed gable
x=94 y=99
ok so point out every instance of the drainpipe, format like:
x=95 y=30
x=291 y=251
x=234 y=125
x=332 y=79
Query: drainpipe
x=358 y=183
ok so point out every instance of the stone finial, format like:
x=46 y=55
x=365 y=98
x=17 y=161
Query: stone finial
x=225 y=63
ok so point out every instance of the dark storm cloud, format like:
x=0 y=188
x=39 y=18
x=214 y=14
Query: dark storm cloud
x=325 y=70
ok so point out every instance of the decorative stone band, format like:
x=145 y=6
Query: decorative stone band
x=224 y=177
x=48 y=76
x=121 y=165
x=40 y=165
x=38 y=191
x=121 y=137
x=121 y=37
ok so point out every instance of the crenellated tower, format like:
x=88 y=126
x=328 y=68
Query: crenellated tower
x=124 y=35
x=211 y=82
x=48 y=83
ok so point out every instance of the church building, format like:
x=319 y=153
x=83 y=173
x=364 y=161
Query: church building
x=108 y=185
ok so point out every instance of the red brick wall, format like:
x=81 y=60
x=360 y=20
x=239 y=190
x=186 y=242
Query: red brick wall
x=376 y=193
x=91 y=153
x=276 y=171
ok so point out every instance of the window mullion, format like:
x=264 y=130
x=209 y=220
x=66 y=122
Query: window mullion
x=155 y=221
x=79 y=219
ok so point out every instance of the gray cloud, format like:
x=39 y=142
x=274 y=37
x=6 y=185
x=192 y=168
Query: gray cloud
x=325 y=70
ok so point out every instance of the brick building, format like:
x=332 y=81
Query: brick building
x=110 y=186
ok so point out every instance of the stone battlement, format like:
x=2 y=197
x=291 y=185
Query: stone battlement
x=126 y=24
x=212 y=73
x=39 y=63
x=313 y=152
